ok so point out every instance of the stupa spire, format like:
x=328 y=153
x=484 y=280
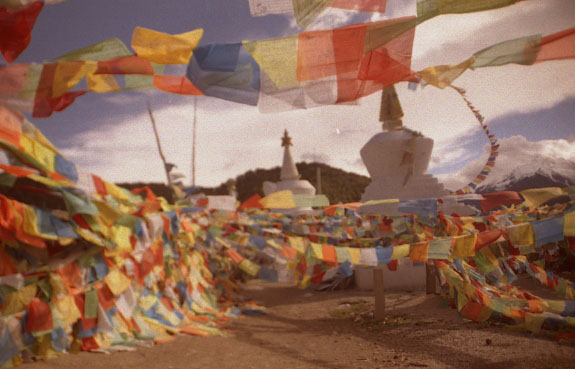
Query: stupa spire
x=289 y=170
x=390 y=112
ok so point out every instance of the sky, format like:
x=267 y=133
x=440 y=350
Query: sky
x=111 y=134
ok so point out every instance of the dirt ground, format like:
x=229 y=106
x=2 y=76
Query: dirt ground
x=311 y=329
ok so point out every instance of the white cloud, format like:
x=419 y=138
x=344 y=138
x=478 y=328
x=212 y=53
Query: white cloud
x=519 y=156
x=333 y=17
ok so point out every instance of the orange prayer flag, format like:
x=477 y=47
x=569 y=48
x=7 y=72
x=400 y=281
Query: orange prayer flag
x=16 y=171
x=176 y=84
x=329 y=254
x=418 y=252
x=10 y=126
x=472 y=310
x=126 y=65
x=234 y=255
x=487 y=238
x=288 y=253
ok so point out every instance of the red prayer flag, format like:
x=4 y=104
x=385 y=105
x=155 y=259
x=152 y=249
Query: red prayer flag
x=495 y=199
x=557 y=46
x=252 y=202
x=39 y=316
x=44 y=103
x=15 y=28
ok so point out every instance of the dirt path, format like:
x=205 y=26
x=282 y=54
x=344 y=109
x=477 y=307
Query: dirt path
x=308 y=329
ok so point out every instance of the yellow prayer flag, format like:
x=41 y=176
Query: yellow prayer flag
x=400 y=251
x=534 y=322
x=108 y=213
x=102 y=83
x=277 y=59
x=117 y=281
x=68 y=74
x=354 y=255
x=163 y=48
x=57 y=285
x=443 y=75
x=537 y=196
x=47 y=181
x=116 y=191
x=249 y=267
x=17 y=301
x=44 y=155
x=27 y=144
x=521 y=234
x=464 y=246
x=121 y=237
x=68 y=309
x=297 y=243
x=317 y=250
x=569 y=225
x=278 y=200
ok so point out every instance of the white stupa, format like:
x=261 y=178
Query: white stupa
x=397 y=160
x=289 y=178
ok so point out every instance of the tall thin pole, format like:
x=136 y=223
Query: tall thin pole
x=318 y=178
x=159 y=145
x=194 y=143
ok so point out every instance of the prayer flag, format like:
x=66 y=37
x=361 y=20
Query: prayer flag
x=16 y=27
x=164 y=48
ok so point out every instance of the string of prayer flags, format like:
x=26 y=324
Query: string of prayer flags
x=307 y=11
x=330 y=67
x=472 y=186
x=524 y=51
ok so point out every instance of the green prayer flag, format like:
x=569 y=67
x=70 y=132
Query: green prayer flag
x=436 y=7
x=523 y=50
x=307 y=11
x=91 y=304
x=111 y=48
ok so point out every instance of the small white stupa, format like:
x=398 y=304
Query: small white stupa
x=289 y=178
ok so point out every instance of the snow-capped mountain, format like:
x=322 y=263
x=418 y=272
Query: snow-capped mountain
x=523 y=178
x=521 y=164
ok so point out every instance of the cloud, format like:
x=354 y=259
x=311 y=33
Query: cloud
x=334 y=17
x=315 y=157
x=519 y=156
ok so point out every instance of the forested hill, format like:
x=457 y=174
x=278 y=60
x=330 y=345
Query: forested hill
x=337 y=184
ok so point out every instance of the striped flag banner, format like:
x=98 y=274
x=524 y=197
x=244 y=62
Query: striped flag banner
x=481 y=176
